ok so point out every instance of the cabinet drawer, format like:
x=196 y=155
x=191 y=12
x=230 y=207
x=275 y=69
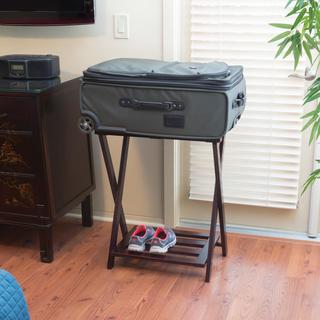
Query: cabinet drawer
x=17 y=153
x=18 y=194
x=17 y=113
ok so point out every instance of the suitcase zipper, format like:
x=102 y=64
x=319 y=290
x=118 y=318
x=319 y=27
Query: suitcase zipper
x=176 y=85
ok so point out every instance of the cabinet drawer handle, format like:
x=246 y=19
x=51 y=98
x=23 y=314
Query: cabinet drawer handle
x=3 y=115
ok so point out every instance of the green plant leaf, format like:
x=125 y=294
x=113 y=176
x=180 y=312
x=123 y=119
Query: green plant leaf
x=316 y=83
x=309 y=114
x=313 y=97
x=314 y=4
x=318 y=133
x=299 y=18
x=282 y=46
x=317 y=22
x=311 y=41
x=296 y=49
x=314 y=131
x=311 y=17
x=313 y=92
x=308 y=184
x=295 y=10
x=281 y=25
x=311 y=180
x=316 y=111
x=307 y=51
x=317 y=171
x=288 y=51
x=309 y=123
x=280 y=36
x=288 y=3
x=301 y=3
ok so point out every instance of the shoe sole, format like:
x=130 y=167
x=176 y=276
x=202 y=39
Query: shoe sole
x=136 y=248
x=157 y=249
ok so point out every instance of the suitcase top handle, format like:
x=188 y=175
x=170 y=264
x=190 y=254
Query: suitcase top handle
x=157 y=69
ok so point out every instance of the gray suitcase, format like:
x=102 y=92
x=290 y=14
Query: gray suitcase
x=151 y=98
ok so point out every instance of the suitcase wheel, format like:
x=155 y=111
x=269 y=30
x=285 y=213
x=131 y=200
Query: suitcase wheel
x=86 y=125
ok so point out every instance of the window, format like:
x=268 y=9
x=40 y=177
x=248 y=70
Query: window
x=262 y=157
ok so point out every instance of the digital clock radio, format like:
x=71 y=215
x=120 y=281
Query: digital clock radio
x=29 y=67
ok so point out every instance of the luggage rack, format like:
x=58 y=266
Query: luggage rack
x=192 y=248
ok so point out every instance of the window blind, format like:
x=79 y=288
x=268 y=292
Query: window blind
x=262 y=155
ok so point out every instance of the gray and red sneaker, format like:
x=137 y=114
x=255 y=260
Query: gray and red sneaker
x=140 y=237
x=163 y=239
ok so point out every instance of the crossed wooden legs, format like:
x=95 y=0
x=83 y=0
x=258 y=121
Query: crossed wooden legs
x=206 y=252
x=117 y=192
x=217 y=207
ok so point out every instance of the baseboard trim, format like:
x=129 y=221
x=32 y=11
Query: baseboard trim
x=131 y=219
x=255 y=231
x=196 y=224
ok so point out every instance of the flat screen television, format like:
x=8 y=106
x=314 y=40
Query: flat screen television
x=46 y=12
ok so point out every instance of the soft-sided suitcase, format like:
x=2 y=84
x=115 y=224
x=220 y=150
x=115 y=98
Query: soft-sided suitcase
x=151 y=98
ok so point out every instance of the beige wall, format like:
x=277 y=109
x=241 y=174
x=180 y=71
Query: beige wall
x=82 y=46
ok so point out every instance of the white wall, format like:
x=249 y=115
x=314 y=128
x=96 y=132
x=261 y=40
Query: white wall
x=83 y=46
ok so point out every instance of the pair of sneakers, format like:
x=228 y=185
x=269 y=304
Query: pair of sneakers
x=160 y=240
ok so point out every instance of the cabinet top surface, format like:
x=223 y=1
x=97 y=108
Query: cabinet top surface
x=34 y=86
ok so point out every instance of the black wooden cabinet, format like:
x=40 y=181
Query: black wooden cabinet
x=46 y=165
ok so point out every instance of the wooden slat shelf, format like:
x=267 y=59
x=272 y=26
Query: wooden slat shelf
x=190 y=234
x=181 y=251
x=195 y=243
x=189 y=249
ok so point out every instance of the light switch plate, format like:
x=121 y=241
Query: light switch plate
x=121 y=26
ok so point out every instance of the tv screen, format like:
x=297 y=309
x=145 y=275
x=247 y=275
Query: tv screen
x=46 y=12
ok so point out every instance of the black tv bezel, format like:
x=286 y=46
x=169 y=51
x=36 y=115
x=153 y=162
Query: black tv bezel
x=45 y=18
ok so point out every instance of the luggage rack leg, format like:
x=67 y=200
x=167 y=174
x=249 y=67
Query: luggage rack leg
x=222 y=219
x=112 y=179
x=117 y=191
x=217 y=206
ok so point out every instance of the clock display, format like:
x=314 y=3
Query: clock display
x=17 y=67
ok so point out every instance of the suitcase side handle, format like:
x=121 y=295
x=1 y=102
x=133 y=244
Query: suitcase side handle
x=151 y=106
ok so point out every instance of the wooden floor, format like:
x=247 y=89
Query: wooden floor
x=261 y=279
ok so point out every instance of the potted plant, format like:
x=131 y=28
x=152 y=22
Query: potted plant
x=302 y=37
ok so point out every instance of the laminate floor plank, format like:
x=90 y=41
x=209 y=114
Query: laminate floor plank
x=261 y=279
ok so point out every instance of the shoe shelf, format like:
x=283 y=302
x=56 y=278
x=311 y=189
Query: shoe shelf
x=191 y=249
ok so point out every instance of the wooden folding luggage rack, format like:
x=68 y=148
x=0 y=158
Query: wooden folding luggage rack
x=192 y=248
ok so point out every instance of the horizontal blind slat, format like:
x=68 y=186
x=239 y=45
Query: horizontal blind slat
x=262 y=154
